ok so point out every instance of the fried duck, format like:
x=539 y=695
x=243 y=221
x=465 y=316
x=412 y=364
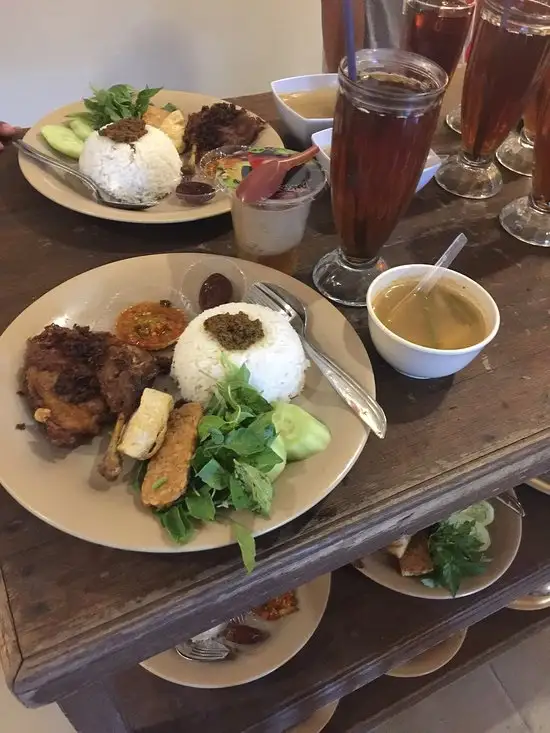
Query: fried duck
x=77 y=380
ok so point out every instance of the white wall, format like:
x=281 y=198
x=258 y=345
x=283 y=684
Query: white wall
x=50 y=50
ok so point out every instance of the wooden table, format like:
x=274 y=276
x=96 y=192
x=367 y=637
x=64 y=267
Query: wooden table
x=72 y=613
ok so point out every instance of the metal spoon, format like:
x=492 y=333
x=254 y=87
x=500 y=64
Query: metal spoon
x=360 y=401
x=99 y=194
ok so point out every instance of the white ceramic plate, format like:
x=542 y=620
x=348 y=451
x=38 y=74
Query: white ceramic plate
x=64 y=489
x=288 y=636
x=505 y=534
x=323 y=139
x=66 y=192
x=432 y=659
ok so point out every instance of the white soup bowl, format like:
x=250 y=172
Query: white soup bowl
x=422 y=362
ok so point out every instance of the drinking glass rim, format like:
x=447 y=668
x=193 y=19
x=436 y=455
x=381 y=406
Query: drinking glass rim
x=515 y=14
x=409 y=60
x=441 y=4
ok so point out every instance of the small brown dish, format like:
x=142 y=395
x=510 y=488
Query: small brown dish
x=196 y=190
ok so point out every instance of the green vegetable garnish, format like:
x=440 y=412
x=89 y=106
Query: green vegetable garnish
x=115 y=103
x=169 y=107
x=456 y=554
x=159 y=482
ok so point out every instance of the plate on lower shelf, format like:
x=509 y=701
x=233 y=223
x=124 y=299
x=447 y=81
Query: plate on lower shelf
x=537 y=600
x=288 y=636
x=505 y=534
x=316 y=722
x=541 y=483
x=432 y=659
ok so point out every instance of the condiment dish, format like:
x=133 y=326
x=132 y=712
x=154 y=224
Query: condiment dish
x=323 y=139
x=302 y=127
x=422 y=362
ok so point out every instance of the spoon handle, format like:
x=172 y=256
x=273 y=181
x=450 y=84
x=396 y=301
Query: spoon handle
x=35 y=154
x=358 y=399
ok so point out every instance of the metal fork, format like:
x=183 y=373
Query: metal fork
x=98 y=193
x=360 y=401
x=210 y=650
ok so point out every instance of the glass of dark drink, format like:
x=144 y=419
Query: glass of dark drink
x=438 y=29
x=528 y=218
x=383 y=124
x=516 y=152
x=511 y=39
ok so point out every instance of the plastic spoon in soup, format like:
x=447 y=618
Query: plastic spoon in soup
x=432 y=277
x=265 y=179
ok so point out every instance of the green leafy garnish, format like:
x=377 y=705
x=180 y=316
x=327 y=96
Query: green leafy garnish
x=169 y=107
x=456 y=554
x=230 y=466
x=159 y=482
x=115 y=103
x=247 y=544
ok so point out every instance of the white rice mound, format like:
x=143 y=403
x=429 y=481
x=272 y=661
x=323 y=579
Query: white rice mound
x=146 y=170
x=277 y=363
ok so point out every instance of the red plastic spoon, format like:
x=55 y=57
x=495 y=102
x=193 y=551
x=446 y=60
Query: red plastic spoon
x=266 y=178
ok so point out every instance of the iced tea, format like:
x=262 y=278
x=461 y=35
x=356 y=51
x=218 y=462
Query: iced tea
x=504 y=65
x=438 y=29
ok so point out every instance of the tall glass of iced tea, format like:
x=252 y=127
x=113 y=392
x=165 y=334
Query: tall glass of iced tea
x=516 y=152
x=383 y=125
x=511 y=39
x=528 y=218
x=438 y=29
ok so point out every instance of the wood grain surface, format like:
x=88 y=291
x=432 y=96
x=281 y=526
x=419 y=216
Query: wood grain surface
x=366 y=631
x=78 y=612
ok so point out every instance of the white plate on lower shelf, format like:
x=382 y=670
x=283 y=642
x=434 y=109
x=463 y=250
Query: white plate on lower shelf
x=288 y=636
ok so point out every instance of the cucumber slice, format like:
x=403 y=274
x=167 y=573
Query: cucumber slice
x=482 y=534
x=482 y=512
x=81 y=129
x=278 y=447
x=63 y=140
x=303 y=435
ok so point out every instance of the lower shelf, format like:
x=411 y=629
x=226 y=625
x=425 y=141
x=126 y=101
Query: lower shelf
x=366 y=631
x=385 y=697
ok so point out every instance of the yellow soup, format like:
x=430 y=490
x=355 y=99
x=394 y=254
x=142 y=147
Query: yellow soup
x=317 y=103
x=444 y=319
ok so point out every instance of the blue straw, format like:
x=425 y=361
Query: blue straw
x=350 y=39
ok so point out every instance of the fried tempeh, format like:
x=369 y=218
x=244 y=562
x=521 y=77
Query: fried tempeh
x=167 y=472
x=416 y=560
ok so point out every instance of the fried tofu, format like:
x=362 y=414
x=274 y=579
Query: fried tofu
x=171 y=123
x=416 y=560
x=399 y=547
x=167 y=472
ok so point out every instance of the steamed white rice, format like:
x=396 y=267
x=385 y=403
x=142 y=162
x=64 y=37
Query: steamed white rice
x=146 y=170
x=277 y=363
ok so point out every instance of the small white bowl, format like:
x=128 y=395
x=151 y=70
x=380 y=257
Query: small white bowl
x=323 y=139
x=422 y=362
x=302 y=127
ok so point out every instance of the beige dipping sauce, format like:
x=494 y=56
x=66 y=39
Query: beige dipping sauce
x=313 y=104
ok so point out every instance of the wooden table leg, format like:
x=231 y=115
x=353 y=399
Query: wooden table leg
x=93 y=710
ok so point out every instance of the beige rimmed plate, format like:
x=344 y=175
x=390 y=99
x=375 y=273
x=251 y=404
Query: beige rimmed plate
x=505 y=533
x=316 y=722
x=65 y=191
x=432 y=659
x=288 y=636
x=64 y=489
x=541 y=483
x=531 y=602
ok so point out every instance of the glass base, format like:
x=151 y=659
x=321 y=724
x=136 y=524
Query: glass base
x=524 y=222
x=454 y=120
x=341 y=281
x=462 y=177
x=516 y=154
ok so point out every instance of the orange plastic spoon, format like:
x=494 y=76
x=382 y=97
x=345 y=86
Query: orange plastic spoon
x=265 y=179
